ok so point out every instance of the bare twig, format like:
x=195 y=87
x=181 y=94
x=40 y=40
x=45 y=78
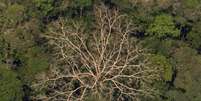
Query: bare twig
x=109 y=65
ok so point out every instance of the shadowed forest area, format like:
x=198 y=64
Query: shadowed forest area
x=100 y=50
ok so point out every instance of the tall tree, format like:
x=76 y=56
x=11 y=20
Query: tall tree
x=163 y=26
x=105 y=62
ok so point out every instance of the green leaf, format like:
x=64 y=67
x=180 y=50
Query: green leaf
x=15 y=13
x=162 y=62
x=45 y=6
x=10 y=86
x=163 y=26
x=81 y=3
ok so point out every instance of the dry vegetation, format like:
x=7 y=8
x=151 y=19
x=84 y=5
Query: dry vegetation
x=103 y=62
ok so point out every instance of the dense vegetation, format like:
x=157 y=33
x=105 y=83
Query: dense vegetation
x=127 y=50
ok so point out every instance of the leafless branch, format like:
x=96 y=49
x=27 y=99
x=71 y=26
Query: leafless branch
x=107 y=62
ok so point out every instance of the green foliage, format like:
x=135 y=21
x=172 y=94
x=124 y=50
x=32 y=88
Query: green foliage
x=141 y=17
x=36 y=62
x=181 y=20
x=123 y=3
x=15 y=13
x=163 y=26
x=23 y=22
x=10 y=86
x=164 y=47
x=187 y=81
x=194 y=36
x=3 y=47
x=45 y=6
x=164 y=64
x=190 y=9
x=191 y=3
x=81 y=3
x=2 y=5
x=187 y=56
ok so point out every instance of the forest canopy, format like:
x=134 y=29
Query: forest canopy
x=100 y=50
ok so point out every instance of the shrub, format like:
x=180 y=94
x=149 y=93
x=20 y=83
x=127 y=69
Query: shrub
x=163 y=26
x=45 y=6
x=15 y=13
x=194 y=36
x=162 y=62
x=10 y=85
x=35 y=62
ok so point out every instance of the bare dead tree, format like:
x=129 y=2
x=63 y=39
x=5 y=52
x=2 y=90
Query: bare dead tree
x=104 y=62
